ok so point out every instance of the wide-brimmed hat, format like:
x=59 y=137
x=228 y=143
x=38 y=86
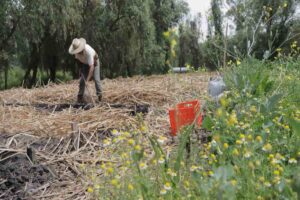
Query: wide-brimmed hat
x=77 y=46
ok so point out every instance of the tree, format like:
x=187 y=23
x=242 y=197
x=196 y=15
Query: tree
x=217 y=17
x=189 y=42
x=10 y=16
x=261 y=26
x=43 y=30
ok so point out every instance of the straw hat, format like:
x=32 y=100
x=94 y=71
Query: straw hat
x=77 y=46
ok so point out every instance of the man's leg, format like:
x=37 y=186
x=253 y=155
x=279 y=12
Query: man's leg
x=97 y=80
x=83 y=77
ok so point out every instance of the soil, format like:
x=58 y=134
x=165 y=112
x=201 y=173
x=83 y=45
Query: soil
x=19 y=177
x=133 y=109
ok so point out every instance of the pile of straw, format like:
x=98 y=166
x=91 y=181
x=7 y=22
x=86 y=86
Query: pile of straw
x=160 y=92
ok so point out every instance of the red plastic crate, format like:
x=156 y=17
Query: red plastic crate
x=184 y=114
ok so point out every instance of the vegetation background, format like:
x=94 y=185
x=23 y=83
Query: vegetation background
x=138 y=37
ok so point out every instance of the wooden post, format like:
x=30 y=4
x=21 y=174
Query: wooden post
x=76 y=135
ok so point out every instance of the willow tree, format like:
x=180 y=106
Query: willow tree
x=128 y=36
x=10 y=15
x=43 y=31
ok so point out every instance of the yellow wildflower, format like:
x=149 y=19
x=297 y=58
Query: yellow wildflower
x=186 y=184
x=110 y=170
x=279 y=168
x=259 y=198
x=216 y=138
x=210 y=173
x=253 y=109
x=235 y=152
x=285 y=5
x=115 y=132
x=238 y=62
x=137 y=147
x=106 y=142
x=261 y=179
x=131 y=142
x=130 y=186
x=143 y=128
x=238 y=142
x=161 y=139
x=225 y=145
x=232 y=119
x=143 y=166
x=114 y=182
x=276 y=180
x=90 y=190
x=193 y=168
x=102 y=166
x=267 y=147
x=258 y=139
x=267 y=130
x=213 y=156
x=127 y=134
x=257 y=163
x=219 y=112
x=163 y=192
x=276 y=172
x=267 y=184
x=171 y=173
x=124 y=155
x=278 y=156
x=233 y=182
x=167 y=186
x=249 y=137
x=224 y=102
x=161 y=160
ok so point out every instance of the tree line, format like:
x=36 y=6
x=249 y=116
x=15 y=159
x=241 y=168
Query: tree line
x=140 y=36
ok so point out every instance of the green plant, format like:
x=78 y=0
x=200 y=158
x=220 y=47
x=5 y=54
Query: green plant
x=252 y=152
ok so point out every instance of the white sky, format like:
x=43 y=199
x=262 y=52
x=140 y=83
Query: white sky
x=197 y=6
x=201 y=6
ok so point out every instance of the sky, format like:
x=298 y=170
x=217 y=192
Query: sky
x=197 y=6
x=201 y=6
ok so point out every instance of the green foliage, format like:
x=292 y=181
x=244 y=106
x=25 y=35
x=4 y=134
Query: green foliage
x=253 y=151
x=15 y=77
x=262 y=26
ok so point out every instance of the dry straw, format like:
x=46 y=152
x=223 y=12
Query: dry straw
x=72 y=137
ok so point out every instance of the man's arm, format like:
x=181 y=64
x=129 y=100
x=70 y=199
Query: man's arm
x=91 y=71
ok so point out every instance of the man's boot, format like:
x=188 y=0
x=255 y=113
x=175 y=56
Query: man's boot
x=80 y=99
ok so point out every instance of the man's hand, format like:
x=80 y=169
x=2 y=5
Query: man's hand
x=91 y=71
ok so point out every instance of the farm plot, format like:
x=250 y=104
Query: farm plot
x=45 y=137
